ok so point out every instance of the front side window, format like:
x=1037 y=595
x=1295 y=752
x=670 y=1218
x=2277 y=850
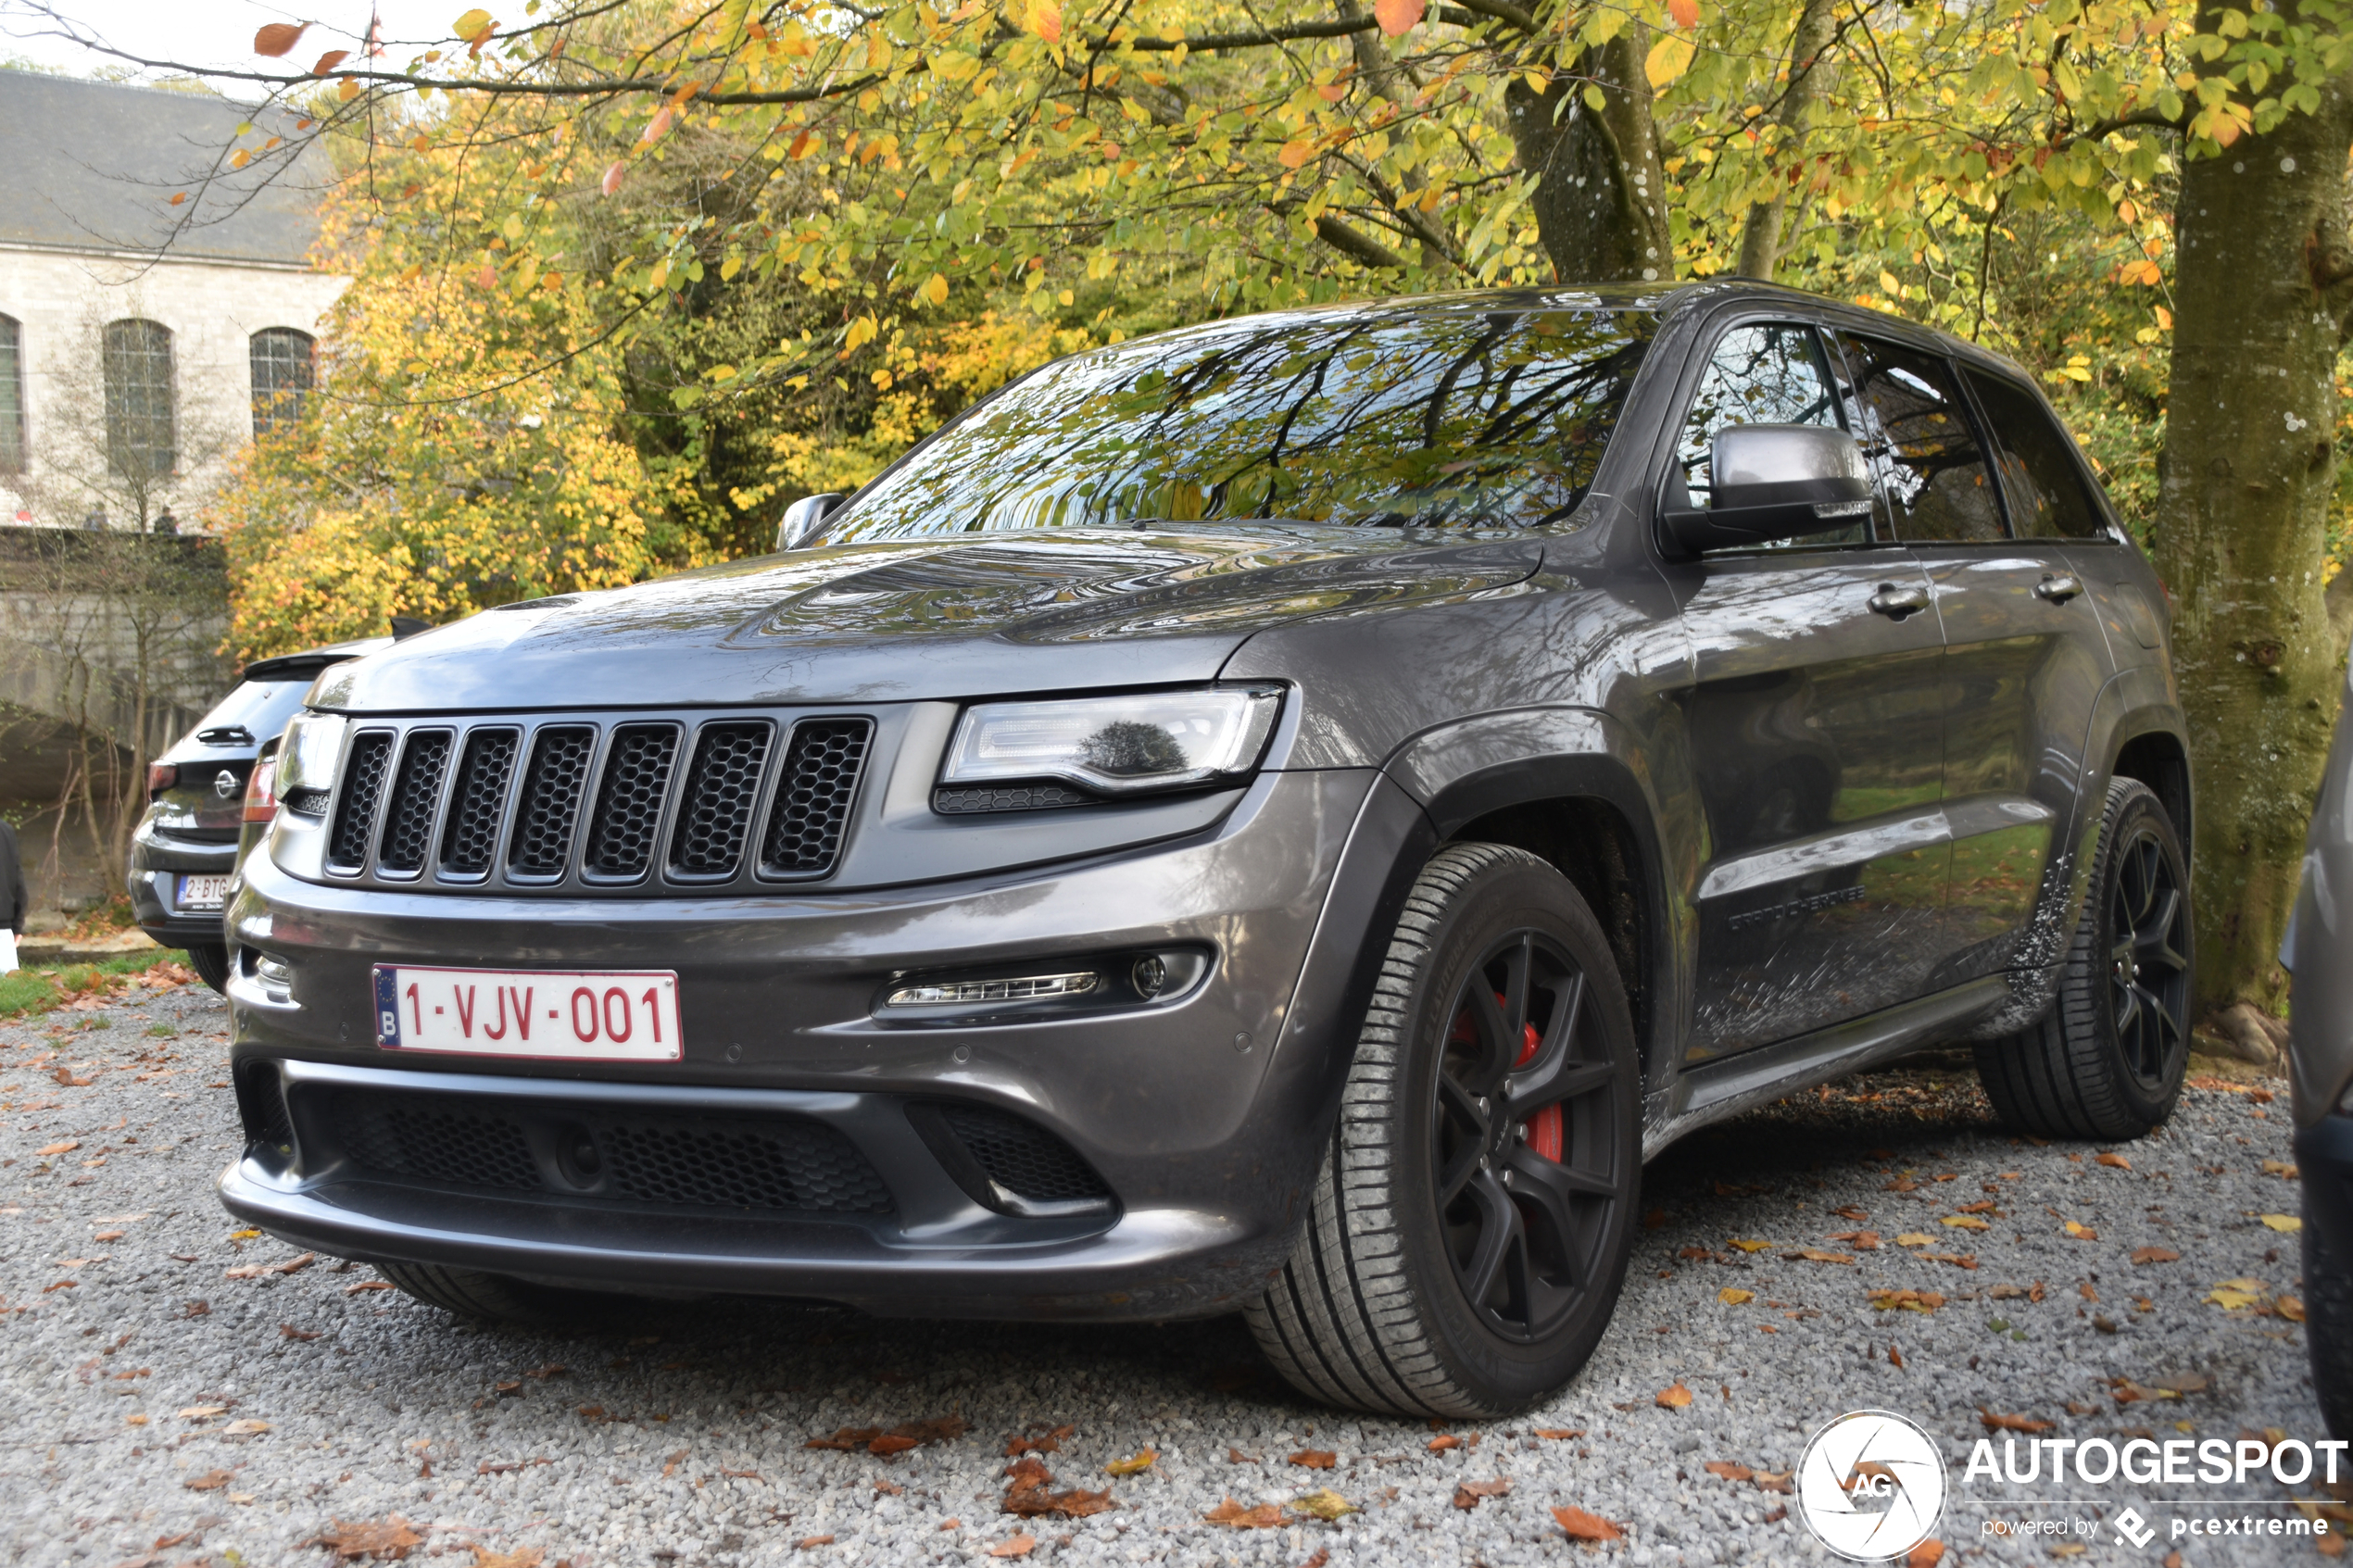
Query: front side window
x=1926 y=446
x=142 y=441
x=1436 y=420
x=12 y=442
x=283 y=374
x=1769 y=373
x=2048 y=497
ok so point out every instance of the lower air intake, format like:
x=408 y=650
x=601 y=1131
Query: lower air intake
x=1010 y=1163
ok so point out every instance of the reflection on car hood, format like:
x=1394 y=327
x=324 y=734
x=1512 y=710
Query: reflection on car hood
x=923 y=619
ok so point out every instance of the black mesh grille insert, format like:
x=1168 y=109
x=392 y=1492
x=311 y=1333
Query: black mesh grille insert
x=822 y=765
x=470 y=840
x=721 y=788
x=789 y=1162
x=431 y=1139
x=1006 y=797
x=261 y=1105
x=416 y=791
x=1022 y=1158
x=621 y=838
x=363 y=783
x=550 y=803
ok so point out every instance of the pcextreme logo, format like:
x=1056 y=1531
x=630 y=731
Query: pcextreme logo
x=1871 y=1486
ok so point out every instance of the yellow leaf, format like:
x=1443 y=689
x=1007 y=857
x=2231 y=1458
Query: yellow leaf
x=2164 y=319
x=1326 y=1505
x=1887 y=281
x=1733 y=1296
x=1669 y=57
x=1595 y=99
x=2079 y=1230
x=861 y=332
x=1750 y=1246
x=1045 y=19
x=2231 y=1301
x=2284 y=1221
x=1966 y=1223
x=1135 y=1465
x=1914 y=1238
x=240 y=158
x=936 y=290
x=346 y=90
x=472 y=25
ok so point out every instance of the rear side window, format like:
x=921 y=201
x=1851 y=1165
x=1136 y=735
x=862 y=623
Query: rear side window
x=1937 y=478
x=2045 y=485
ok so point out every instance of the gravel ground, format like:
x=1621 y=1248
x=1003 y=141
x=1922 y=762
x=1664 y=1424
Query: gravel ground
x=168 y=1412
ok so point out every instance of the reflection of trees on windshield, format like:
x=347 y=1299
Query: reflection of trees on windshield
x=1421 y=421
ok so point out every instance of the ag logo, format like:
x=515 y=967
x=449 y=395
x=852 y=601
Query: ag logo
x=1871 y=1486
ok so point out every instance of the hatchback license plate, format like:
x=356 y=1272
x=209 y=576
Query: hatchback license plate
x=207 y=892
x=559 y=1015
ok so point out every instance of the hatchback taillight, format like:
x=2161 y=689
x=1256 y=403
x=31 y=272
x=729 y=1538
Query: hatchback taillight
x=261 y=799
x=162 y=776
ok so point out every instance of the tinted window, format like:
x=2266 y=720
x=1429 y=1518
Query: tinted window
x=2046 y=494
x=1442 y=420
x=1924 y=442
x=1772 y=374
x=263 y=707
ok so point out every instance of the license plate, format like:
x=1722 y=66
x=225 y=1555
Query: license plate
x=209 y=892
x=558 y=1015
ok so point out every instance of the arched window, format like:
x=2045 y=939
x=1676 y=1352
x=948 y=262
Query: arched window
x=12 y=442
x=141 y=438
x=282 y=374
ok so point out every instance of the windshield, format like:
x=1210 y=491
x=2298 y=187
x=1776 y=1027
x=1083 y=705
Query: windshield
x=1437 y=419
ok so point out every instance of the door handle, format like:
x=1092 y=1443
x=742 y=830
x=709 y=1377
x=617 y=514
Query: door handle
x=2059 y=587
x=1896 y=603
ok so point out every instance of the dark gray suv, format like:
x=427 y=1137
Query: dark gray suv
x=1282 y=815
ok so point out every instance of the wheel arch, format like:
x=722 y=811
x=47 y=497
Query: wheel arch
x=2153 y=752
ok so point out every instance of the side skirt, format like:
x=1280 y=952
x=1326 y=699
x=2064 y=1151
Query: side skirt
x=1710 y=1091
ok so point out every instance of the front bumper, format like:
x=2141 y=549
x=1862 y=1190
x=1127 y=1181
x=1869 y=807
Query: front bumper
x=1202 y=1118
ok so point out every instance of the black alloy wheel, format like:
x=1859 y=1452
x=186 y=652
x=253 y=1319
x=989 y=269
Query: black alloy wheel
x=1523 y=1163
x=1467 y=1234
x=2148 y=966
x=2108 y=1059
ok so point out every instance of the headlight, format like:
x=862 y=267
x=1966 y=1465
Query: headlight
x=307 y=757
x=1116 y=744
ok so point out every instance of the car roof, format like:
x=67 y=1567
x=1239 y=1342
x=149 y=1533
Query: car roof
x=306 y=664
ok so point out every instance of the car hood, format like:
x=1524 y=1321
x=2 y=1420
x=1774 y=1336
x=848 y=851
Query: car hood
x=928 y=619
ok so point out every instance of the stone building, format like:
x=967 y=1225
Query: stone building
x=144 y=340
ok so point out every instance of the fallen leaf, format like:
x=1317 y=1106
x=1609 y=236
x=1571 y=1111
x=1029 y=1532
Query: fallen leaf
x=386 y=1542
x=367 y=1285
x=2156 y=1255
x=1265 y=1516
x=1983 y=1206
x=1732 y=1295
x=2230 y=1298
x=1862 y=1241
x=1470 y=1494
x=2281 y=1169
x=1136 y=1463
x=2285 y=1223
x=1559 y=1434
x=1583 y=1526
x=891 y=1443
x=2080 y=1231
x=1728 y=1470
x=1849 y=1211
x=2112 y=1161
x=1309 y=1459
x=210 y=1481
x=1017 y=1445
x=1674 y=1397
x=203 y=1412
x=67 y=1146
x=2289 y=1307
x=1020 y=1546
x=1995 y=1423
x=107 y=1236
x=1750 y=1246
x=1966 y=1222
x=1235 y=1456
x=1768 y=1482
x=288 y=1331
x=246 y=1428
x=1329 y=1505
x=1443 y=1441
x=1907 y=1300
x=1815 y=1254
x=811 y=1543
x=1914 y=1238
x=1895 y=1358
x=1928 y=1554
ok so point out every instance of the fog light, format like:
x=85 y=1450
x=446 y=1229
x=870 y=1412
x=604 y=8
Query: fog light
x=1149 y=975
x=1018 y=989
x=275 y=974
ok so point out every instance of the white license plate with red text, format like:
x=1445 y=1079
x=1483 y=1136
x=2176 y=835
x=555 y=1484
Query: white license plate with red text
x=560 y=1015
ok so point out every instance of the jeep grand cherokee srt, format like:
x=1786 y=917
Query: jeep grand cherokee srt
x=1280 y=816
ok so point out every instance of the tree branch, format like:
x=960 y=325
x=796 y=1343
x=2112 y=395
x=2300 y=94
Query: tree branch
x=1356 y=246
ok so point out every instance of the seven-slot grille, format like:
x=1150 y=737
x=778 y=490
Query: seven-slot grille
x=630 y=803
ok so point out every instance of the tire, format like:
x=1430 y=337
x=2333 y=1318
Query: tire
x=2328 y=1326
x=1421 y=1285
x=2106 y=1062
x=211 y=961
x=471 y=1293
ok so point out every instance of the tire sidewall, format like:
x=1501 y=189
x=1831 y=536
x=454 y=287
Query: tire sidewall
x=2131 y=808
x=1518 y=893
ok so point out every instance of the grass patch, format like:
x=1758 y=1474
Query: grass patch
x=29 y=992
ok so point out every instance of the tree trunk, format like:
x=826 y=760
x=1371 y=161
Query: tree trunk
x=1808 y=78
x=1600 y=203
x=2261 y=289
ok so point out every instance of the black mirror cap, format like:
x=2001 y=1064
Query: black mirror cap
x=802 y=518
x=1775 y=482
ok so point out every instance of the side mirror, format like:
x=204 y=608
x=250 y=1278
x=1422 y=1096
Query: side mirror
x=1775 y=482
x=801 y=520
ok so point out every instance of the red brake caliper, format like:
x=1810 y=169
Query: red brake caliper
x=1545 y=1127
